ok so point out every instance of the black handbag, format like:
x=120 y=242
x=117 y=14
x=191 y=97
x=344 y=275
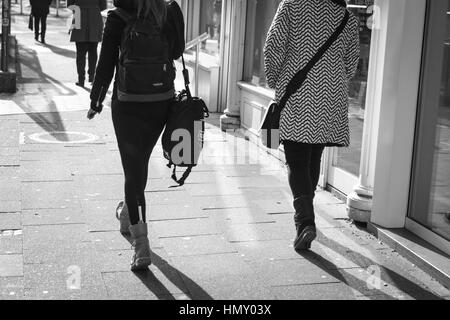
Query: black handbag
x=270 y=125
x=182 y=140
x=30 y=22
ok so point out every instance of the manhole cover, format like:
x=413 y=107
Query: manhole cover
x=63 y=137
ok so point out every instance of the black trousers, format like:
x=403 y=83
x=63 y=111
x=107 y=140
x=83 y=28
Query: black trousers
x=303 y=161
x=83 y=49
x=138 y=127
x=40 y=21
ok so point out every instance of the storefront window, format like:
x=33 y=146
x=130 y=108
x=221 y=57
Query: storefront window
x=348 y=159
x=430 y=199
x=204 y=17
x=260 y=14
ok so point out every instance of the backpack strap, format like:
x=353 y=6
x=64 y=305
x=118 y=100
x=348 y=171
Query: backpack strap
x=183 y=178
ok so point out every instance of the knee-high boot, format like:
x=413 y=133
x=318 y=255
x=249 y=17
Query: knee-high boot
x=304 y=222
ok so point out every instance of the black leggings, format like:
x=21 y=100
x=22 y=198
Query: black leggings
x=138 y=127
x=303 y=161
x=89 y=48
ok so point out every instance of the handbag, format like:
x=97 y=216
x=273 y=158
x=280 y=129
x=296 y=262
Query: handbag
x=182 y=140
x=31 y=22
x=270 y=125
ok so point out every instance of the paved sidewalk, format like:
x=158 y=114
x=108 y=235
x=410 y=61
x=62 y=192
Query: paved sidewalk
x=226 y=234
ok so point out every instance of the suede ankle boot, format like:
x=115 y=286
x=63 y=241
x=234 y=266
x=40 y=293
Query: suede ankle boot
x=141 y=258
x=124 y=218
x=304 y=222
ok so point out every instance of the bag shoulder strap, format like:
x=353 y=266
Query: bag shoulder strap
x=300 y=77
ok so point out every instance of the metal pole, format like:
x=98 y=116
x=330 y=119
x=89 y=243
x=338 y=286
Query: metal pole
x=21 y=7
x=57 y=8
x=5 y=34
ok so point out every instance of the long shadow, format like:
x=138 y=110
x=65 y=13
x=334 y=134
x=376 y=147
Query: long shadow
x=389 y=276
x=188 y=286
x=51 y=120
x=61 y=51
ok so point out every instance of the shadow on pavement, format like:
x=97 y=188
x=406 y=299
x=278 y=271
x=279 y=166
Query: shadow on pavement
x=389 y=276
x=176 y=277
x=61 y=51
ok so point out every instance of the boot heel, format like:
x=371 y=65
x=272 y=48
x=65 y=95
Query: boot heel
x=141 y=264
x=303 y=242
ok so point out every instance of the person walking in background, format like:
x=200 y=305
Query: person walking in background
x=40 y=10
x=153 y=36
x=88 y=36
x=316 y=115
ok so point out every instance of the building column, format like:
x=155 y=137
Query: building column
x=234 y=68
x=388 y=135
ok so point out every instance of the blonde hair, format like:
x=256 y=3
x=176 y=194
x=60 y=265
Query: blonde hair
x=155 y=8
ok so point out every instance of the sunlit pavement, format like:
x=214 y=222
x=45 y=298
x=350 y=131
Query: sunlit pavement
x=226 y=234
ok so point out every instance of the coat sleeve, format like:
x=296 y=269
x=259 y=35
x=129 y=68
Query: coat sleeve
x=353 y=50
x=109 y=56
x=276 y=44
x=175 y=28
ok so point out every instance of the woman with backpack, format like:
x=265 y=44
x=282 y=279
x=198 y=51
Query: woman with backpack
x=316 y=115
x=140 y=41
x=88 y=36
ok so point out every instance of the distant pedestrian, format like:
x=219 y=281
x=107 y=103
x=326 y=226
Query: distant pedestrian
x=39 y=10
x=316 y=115
x=140 y=41
x=88 y=37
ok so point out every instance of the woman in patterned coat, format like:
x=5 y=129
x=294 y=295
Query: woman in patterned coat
x=316 y=116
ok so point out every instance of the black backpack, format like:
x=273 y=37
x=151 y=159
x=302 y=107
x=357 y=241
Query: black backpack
x=146 y=72
x=182 y=140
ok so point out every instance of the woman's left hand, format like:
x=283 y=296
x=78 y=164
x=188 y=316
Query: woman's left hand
x=91 y=114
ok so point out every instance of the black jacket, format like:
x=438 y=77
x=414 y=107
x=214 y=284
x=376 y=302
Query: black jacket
x=40 y=7
x=112 y=34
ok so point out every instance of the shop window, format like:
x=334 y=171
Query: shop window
x=260 y=14
x=204 y=17
x=430 y=193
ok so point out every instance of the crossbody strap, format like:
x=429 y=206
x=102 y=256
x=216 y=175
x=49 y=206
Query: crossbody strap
x=298 y=80
x=186 y=78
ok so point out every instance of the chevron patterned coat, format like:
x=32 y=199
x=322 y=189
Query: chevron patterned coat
x=318 y=112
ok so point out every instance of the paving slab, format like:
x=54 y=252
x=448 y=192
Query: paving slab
x=249 y=215
x=258 y=232
x=11 y=265
x=233 y=287
x=38 y=217
x=10 y=243
x=292 y=272
x=370 y=284
x=10 y=221
x=199 y=245
x=59 y=281
x=48 y=243
x=263 y=251
x=11 y=288
x=175 y=212
x=320 y=291
x=10 y=206
x=185 y=228
x=49 y=195
x=144 y=285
